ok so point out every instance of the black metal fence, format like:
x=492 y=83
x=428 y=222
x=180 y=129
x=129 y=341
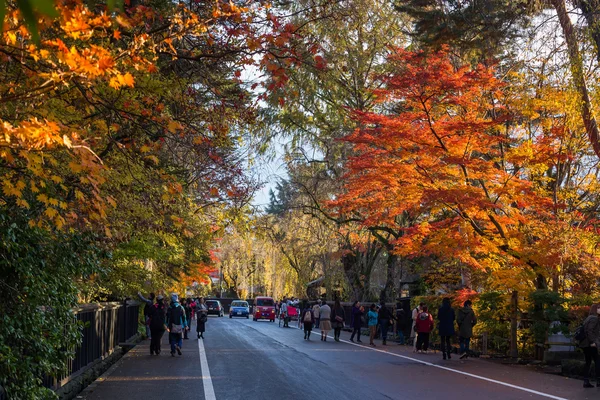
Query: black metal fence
x=106 y=326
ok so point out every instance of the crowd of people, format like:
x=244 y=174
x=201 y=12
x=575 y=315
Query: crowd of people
x=380 y=318
x=175 y=318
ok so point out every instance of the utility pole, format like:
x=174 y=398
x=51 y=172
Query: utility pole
x=221 y=281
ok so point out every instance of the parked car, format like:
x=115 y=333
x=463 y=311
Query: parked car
x=239 y=308
x=264 y=308
x=214 y=307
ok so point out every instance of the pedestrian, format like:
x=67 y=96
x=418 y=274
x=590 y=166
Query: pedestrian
x=372 y=323
x=466 y=320
x=424 y=327
x=589 y=345
x=185 y=303
x=277 y=308
x=325 y=323
x=356 y=320
x=307 y=319
x=413 y=332
x=385 y=317
x=284 y=313
x=338 y=316
x=176 y=324
x=157 y=324
x=446 y=316
x=201 y=317
x=316 y=312
x=147 y=311
x=193 y=305
x=400 y=325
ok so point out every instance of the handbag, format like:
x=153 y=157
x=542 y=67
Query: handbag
x=339 y=319
x=176 y=328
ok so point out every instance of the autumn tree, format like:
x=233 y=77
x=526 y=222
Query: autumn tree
x=442 y=154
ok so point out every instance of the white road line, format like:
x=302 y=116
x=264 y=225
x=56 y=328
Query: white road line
x=209 y=391
x=483 y=378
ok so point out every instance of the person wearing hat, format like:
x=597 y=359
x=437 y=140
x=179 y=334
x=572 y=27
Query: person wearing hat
x=157 y=324
x=176 y=323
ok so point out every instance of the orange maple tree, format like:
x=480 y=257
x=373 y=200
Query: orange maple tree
x=438 y=164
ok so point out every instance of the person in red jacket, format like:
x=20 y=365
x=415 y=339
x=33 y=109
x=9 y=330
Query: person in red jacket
x=424 y=326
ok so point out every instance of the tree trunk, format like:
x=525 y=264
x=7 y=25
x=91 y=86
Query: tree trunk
x=590 y=9
x=386 y=293
x=576 y=62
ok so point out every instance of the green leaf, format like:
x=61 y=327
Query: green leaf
x=114 y=4
x=45 y=7
x=30 y=19
x=2 y=14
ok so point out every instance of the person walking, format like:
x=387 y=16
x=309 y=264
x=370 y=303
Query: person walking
x=413 y=332
x=193 y=305
x=356 y=320
x=466 y=320
x=589 y=345
x=176 y=323
x=338 y=316
x=372 y=323
x=157 y=324
x=385 y=318
x=147 y=312
x=423 y=328
x=325 y=322
x=446 y=316
x=400 y=325
x=284 y=313
x=185 y=303
x=307 y=319
x=316 y=312
x=201 y=317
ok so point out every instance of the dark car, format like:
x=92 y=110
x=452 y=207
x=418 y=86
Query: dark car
x=214 y=307
x=239 y=308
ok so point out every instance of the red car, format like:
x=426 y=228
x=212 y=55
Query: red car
x=264 y=308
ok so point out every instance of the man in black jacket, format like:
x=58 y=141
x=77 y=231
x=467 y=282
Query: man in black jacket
x=157 y=324
x=385 y=317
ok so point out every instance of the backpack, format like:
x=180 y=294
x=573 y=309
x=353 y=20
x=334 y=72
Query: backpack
x=579 y=334
x=307 y=316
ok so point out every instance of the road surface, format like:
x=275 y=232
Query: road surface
x=244 y=359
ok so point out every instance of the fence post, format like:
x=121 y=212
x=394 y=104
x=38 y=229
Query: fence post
x=484 y=343
x=514 y=304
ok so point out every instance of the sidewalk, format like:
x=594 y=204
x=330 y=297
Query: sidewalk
x=155 y=377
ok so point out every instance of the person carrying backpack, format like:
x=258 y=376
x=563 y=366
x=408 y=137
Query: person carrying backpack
x=176 y=323
x=423 y=328
x=157 y=324
x=308 y=320
x=317 y=313
x=589 y=345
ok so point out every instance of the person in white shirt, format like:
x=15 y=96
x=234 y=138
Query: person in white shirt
x=413 y=333
x=325 y=323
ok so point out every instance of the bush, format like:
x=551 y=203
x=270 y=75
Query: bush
x=37 y=294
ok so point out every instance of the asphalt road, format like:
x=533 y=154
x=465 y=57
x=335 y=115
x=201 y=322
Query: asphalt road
x=244 y=359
